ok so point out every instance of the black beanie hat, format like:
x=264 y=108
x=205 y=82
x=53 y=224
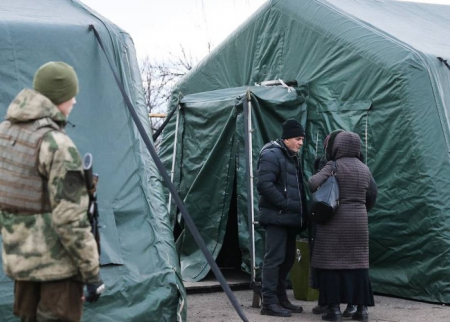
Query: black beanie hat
x=292 y=129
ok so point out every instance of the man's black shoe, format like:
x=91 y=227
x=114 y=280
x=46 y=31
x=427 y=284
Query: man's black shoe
x=320 y=309
x=291 y=307
x=274 y=310
x=333 y=314
x=349 y=311
x=362 y=314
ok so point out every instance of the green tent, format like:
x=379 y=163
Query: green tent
x=377 y=68
x=140 y=265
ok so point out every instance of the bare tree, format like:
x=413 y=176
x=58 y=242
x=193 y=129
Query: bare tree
x=159 y=77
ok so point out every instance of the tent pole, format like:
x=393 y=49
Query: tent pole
x=172 y=172
x=250 y=209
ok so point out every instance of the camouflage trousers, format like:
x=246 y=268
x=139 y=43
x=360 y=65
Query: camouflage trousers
x=55 y=301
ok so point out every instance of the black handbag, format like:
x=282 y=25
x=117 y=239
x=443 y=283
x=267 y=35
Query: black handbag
x=325 y=200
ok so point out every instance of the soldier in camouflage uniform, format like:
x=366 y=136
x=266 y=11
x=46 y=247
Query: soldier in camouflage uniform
x=48 y=247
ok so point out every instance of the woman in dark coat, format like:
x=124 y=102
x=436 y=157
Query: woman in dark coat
x=341 y=249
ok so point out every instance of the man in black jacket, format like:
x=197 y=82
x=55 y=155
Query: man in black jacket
x=282 y=213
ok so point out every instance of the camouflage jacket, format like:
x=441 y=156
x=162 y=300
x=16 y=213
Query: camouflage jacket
x=56 y=245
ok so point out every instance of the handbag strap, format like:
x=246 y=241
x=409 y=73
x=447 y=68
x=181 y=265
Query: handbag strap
x=334 y=168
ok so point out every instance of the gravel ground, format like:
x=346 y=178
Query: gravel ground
x=216 y=307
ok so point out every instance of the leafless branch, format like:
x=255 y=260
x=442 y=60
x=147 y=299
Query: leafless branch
x=159 y=77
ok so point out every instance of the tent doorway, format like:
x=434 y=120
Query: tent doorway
x=230 y=256
x=211 y=162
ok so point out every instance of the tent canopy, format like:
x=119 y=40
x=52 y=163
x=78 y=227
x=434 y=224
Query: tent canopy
x=139 y=261
x=368 y=66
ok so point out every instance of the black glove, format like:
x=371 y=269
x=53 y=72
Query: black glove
x=93 y=291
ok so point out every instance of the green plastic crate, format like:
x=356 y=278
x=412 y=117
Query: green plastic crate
x=300 y=274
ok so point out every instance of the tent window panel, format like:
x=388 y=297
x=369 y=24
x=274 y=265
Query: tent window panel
x=349 y=116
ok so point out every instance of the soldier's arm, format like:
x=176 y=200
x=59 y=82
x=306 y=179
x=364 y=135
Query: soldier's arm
x=60 y=163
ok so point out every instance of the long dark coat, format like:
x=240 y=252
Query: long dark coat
x=343 y=242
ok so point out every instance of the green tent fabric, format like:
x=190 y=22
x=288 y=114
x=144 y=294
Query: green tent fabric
x=140 y=265
x=371 y=67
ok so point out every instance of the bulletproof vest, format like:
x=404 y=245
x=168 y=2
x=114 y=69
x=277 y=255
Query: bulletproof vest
x=22 y=189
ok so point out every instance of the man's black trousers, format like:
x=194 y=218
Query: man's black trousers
x=278 y=260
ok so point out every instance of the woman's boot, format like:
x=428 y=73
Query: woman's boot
x=362 y=314
x=320 y=309
x=333 y=314
x=349 y=311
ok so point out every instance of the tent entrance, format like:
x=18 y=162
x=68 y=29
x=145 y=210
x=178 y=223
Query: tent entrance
x=210 y=172
x=228 y=260
x=230 y=257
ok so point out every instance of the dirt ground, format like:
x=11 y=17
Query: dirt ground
x=215 y=307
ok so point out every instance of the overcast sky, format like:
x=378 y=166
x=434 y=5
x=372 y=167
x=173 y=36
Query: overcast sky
x=159 y=28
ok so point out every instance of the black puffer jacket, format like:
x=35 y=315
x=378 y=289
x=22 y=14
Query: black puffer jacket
x=280 y=187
